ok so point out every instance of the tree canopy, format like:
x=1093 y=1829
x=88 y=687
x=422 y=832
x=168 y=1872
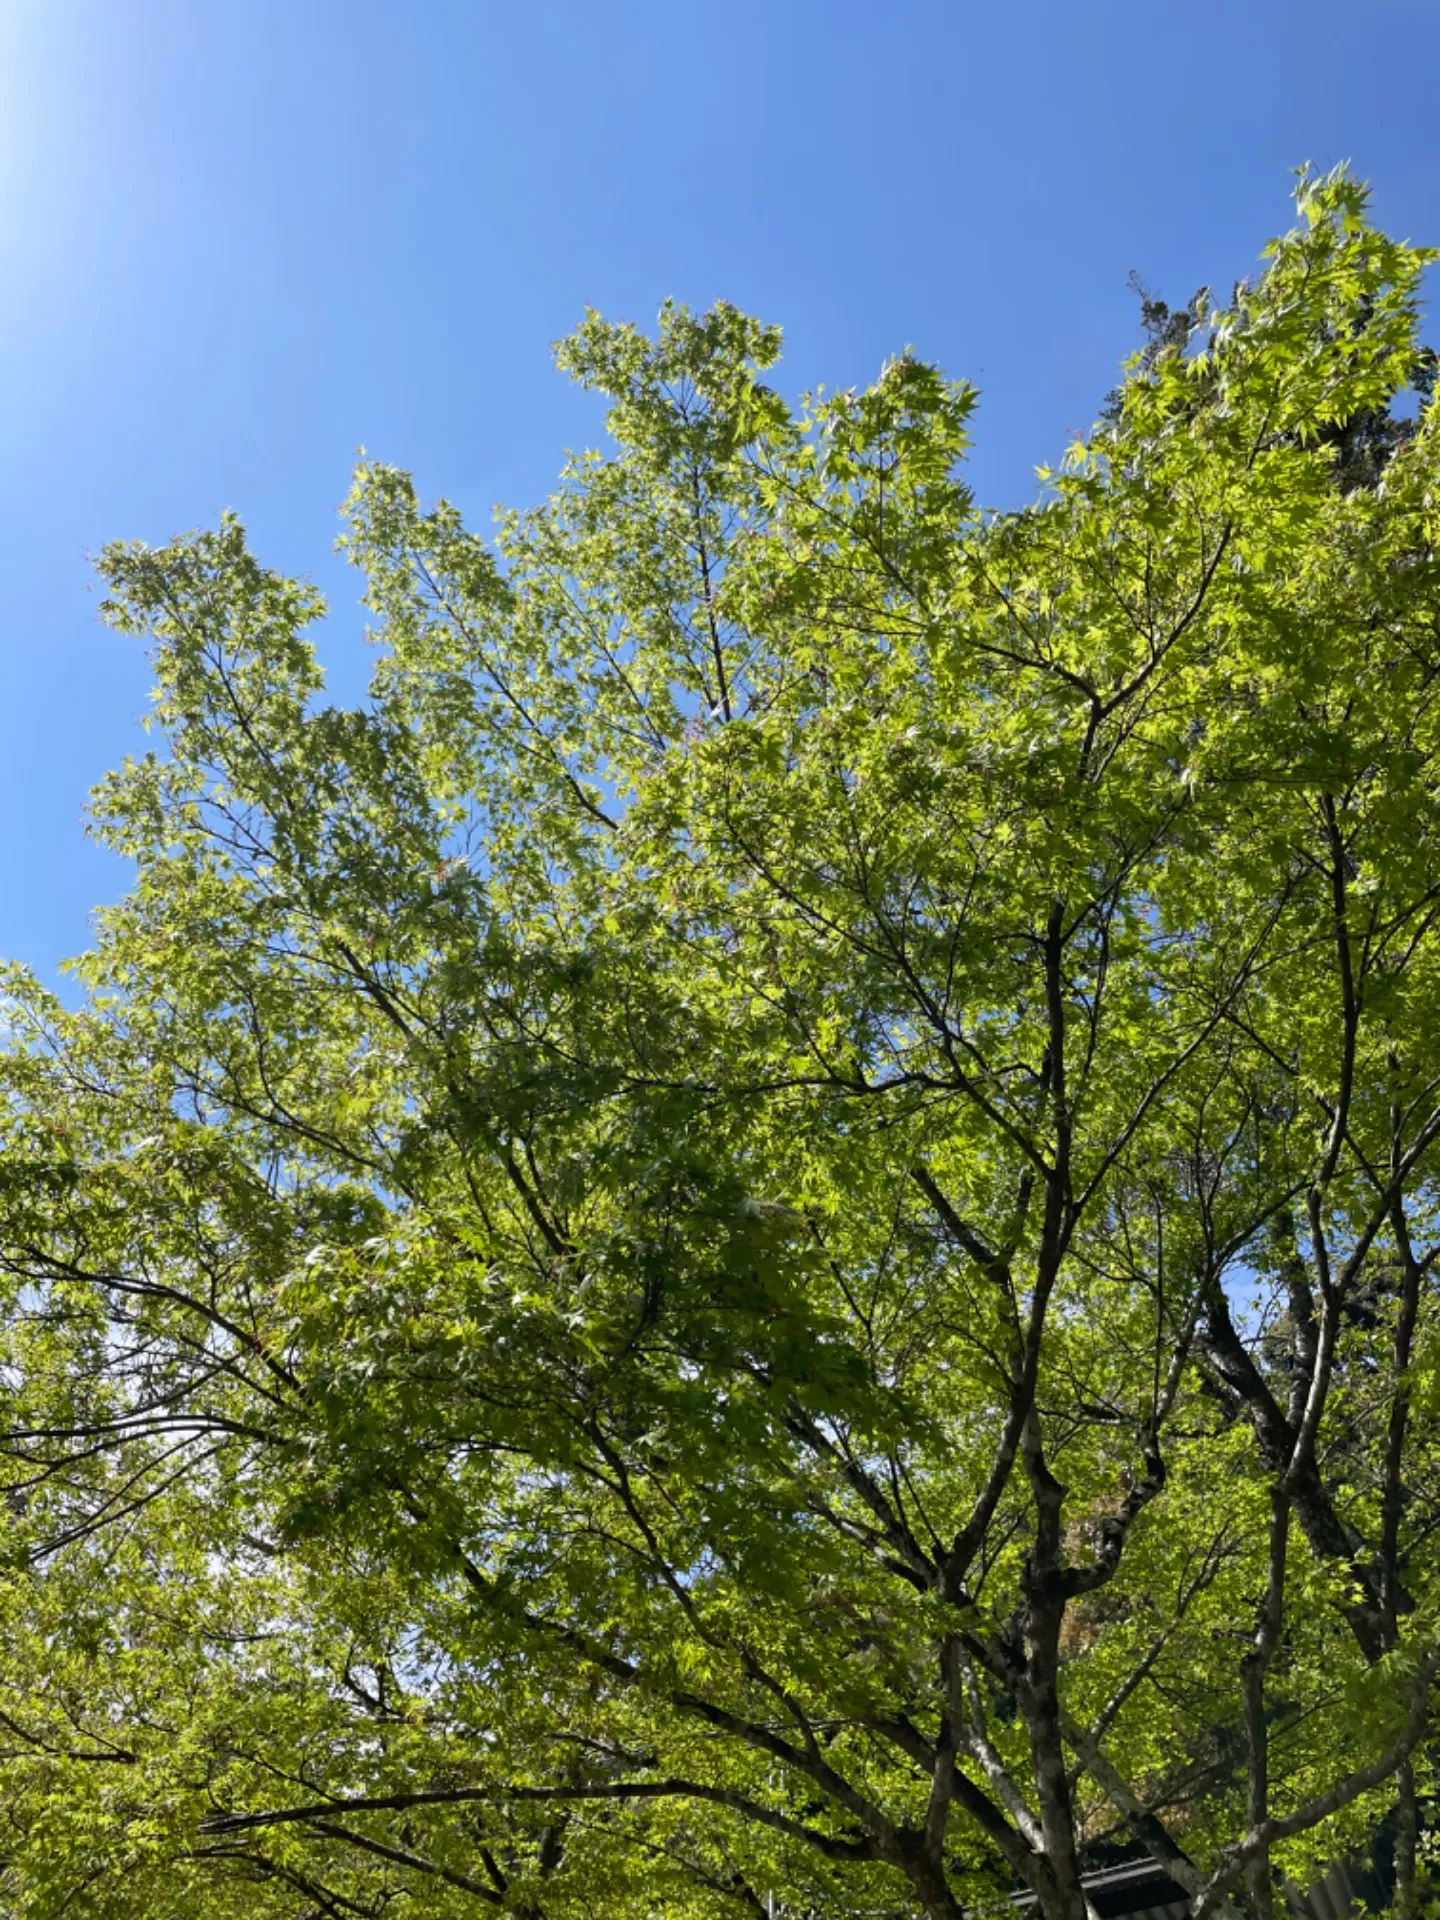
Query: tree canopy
x=765 y=1241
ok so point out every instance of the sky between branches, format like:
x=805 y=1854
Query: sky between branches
x=237 y=240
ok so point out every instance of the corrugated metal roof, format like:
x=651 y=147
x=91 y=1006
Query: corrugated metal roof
x=1143 y=1890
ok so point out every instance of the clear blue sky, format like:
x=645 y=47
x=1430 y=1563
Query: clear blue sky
x=237 y=237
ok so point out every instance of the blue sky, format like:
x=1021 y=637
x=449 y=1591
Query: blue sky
x=239 y=237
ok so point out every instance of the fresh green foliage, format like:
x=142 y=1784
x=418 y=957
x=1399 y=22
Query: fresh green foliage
x=765 y=1243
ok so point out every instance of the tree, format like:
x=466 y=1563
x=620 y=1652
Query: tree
x=765 y=1242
